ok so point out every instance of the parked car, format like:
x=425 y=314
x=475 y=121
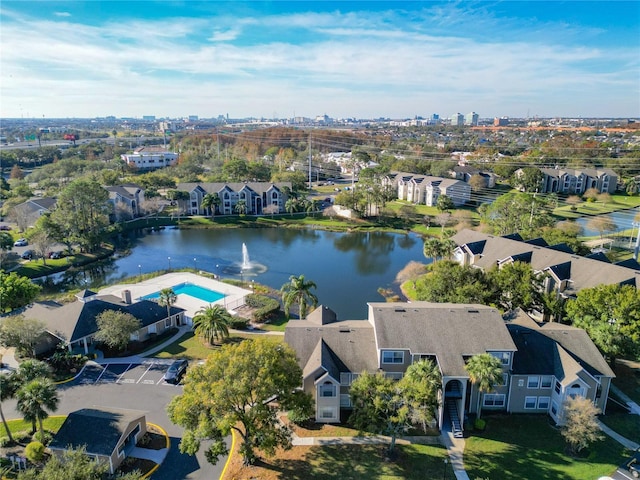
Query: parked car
x=634 y=468
x=21 y=242
x=27 y=255
x=5 y=227
x=55 y=255
x=176 y=371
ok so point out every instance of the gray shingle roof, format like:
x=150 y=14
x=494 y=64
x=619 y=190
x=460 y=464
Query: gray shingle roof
x=73 y=321
x=258 y=187
x=100 y=429
x=345 y=346
x=538 y=350
x=449 y=331
x=585 y=272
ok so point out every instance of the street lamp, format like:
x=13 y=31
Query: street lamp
x=194 y=264
x=169 y=258
x=444 y=473
x=140 y=271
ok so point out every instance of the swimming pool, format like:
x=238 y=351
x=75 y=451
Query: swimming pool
x=195 y=291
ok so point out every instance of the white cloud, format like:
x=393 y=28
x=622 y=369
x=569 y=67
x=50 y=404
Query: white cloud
x=62 y=14
x=356 y=64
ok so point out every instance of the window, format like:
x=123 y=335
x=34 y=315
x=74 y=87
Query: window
x=546 y=381
x=392 y=357
x=135 y=336
x=543 y=403
x=530 y=402
x=554 y=408
x=327 y=389
x=345 y=378
x=521 y=382
x=345 y=400
x=394 y=375
x=328 y=412
x=167 y=322
x=152 y=328
x=505 y=379
x=533 y=382
x=557 y=387
x=493 y=400
x=504 y=357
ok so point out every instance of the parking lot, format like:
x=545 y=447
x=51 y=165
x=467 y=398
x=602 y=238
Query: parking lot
x=148 y=372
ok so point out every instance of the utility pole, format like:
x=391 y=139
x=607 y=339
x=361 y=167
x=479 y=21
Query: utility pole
x=309 y=160
x=637 y=248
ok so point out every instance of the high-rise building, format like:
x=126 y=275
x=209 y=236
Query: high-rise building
x=471 y=119
x=457 y=120
x=500 y=122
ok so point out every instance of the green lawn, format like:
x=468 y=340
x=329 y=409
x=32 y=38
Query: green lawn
x=619 y=202
x=527 y=446
x=356 y=462
x=193 y=348
x=52 y=424
x=625 y=424
x=628 y=379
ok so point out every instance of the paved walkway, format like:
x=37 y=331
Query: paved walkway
x=633 y=406
x=618 y=438
x=156 y=456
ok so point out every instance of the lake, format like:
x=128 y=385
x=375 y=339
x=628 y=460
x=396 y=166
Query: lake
x=623 y=219
x=348 y=268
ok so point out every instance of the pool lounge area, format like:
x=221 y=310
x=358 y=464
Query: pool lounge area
x=193 y=292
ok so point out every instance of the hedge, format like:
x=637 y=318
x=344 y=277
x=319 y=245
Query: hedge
x=265 y=306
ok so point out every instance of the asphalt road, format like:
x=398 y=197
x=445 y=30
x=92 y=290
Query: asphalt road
x=138 y=387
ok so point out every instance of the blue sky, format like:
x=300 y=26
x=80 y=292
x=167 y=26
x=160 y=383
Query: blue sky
x=363 y=59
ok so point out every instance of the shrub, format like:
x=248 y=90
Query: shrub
x=480 y=424
x=298 y=416
x=239 y=323
x=45 y=437
x=265 y=306
x=34 y=452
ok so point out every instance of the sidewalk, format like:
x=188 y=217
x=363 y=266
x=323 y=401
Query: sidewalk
x=618 y=438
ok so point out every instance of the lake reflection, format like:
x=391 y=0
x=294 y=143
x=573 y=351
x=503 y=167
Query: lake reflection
x=348 y=268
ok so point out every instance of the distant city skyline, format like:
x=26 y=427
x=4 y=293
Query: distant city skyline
x=345 y=59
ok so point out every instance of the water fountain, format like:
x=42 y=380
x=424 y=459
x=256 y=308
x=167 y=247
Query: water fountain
x=246 y=267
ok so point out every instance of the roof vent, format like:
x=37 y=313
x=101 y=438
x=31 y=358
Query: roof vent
x=345 y=330
x=399 y=310
x=473 y=311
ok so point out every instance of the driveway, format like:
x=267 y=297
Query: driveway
x=136 y=386
x=622 y=473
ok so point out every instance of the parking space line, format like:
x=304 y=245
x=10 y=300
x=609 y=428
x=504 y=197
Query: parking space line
x=141 y=376
x=104 y=369
x=128 y=368
x=621 y=472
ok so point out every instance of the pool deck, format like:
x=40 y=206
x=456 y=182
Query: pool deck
x=233 y=296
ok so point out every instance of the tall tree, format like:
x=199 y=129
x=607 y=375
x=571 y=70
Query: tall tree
x=528 y=179
x=16 y=291
x=211 y=323
x=298 y=290
x=82 y=211
x=167 y=298
x=516 y=285
x=211 y=201
x=581 y=427
x=421 y=383
x=485 y=372
x=115 y=328
x=6 y=244
x=233 y=390
x=437 y=248
x=610 y=314
x=379 y=406
x=35 y=399
x=8 y=387
x=448 y=281
x=21 y=332
x=444 y=203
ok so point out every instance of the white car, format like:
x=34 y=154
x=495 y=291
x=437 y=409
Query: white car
x=21 y=242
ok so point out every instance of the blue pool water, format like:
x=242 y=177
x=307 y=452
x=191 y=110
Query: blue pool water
x=192 y=290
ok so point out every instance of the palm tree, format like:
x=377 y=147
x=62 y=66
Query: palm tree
x=32 y=369
x=298 y=290
x=552 y=306
x=210 y=202
x=8 y=386
x=241 y=207
x=212 y=323
x=438 y=248
x=421 y=383
x=485 y=371
x=291 y=205
x=167 y=298
x=35 y=398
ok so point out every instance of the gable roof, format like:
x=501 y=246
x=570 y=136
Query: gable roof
x=257 y=187
x=75 y=320
x=448 y=331
x=585 y=272
x=99 y=429
x=346 y=346
x=543 y=349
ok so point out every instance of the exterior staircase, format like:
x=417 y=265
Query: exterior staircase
x=454 y=418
